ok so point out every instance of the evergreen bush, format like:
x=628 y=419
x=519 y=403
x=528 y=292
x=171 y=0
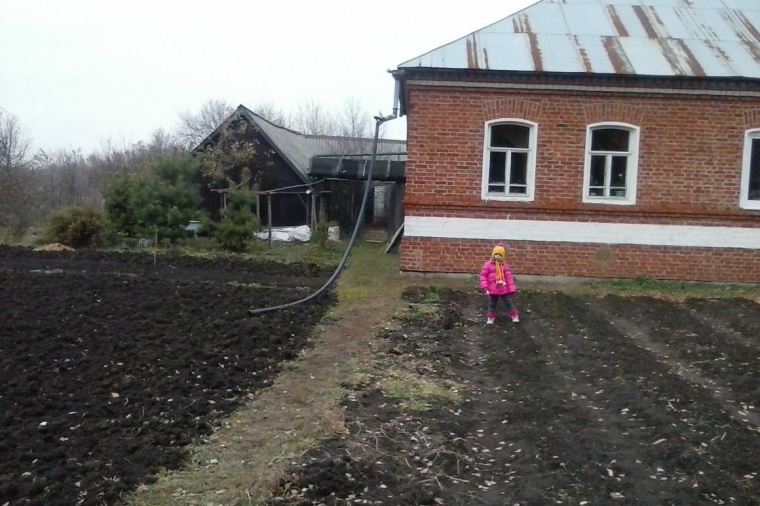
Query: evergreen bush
x=77 y=227
x=235 y=231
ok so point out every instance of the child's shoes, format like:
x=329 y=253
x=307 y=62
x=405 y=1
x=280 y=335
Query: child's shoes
x=490 y=321
x=515 y=319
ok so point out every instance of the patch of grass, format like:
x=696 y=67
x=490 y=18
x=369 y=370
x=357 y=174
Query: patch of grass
x=416 y=392
x=33 y=236
x=367 y=271
x=327 y=255
x=422 y=309
x=675 y=290
x=359 y=378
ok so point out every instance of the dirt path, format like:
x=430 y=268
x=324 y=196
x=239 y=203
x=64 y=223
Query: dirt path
x=243 y=461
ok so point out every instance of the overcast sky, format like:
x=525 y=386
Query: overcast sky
x=79 y=73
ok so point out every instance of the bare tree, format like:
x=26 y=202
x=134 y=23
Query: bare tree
x=312 y=119
x=269 y=112
x=17 y=192
x=14 y=143
x=163 y=143
x=354 y=121
x=194 y=127
x=65 y=179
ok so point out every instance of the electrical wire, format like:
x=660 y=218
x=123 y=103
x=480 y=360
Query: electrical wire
x=354 y=235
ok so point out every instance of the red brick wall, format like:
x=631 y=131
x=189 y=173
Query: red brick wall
x=584 y=260
x=690 y=158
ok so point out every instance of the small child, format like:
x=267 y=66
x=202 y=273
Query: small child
x=496 y=280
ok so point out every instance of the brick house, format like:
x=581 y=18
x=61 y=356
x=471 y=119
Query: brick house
x=596 y=138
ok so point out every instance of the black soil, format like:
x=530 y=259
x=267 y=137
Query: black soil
x=110 y=365
x=586 y=401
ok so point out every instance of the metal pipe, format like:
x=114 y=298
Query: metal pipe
x=397 y=75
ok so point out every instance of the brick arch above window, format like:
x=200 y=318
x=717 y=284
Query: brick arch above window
x=752 y=119
x=510 y=108
x=613 y=111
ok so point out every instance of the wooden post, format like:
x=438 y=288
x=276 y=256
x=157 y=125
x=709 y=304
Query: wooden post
x=314 y=217
x=269 y=211
x=257 y=189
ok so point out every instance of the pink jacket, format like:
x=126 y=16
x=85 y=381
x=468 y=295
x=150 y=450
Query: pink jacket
x=488 y=279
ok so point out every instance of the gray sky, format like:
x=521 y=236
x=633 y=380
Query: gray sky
x=80 y=73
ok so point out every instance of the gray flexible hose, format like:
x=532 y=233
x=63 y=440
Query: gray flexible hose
x=357 y=228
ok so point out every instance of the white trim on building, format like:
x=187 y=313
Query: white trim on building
x=581 y=232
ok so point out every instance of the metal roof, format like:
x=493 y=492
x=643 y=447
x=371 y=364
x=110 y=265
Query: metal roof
x=297 y=149
x=701 y=38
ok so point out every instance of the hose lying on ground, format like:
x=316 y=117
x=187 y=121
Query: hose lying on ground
x=354 y=235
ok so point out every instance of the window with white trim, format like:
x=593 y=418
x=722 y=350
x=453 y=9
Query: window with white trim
x=509 y=160
x=750 y=187
x=610 y=171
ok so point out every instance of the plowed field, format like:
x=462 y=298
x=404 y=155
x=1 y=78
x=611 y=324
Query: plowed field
x=588 y=400
x=110 y=365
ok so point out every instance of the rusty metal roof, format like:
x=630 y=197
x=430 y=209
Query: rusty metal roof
x=701 y=38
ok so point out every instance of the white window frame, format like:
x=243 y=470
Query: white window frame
x=744 y=201
x=632 y=168
x=530 y=177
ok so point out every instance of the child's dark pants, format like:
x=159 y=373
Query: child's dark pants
x=493 y=301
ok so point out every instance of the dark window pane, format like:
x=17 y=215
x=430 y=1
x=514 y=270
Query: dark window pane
x=619 y=165
x=609 y=139
x=754 y=171
x=522 y=189
x=597 y=171
x=617 y=192
x=496 y=188
x=497 y=167
x=596 y=192
x=518 y=170
x=510 y=136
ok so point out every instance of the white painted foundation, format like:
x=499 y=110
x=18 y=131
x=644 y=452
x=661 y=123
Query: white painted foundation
x=577 y=232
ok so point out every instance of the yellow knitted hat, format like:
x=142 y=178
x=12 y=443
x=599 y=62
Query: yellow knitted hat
x=499 y=250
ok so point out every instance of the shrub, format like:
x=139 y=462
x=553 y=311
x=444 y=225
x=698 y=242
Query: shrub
x=163 y=201
x=319 y=235
x=77 y=226
x=235 y=231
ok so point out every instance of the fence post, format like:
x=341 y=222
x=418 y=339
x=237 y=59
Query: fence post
x=314 y=216
x=258 y=207
x=269 y=211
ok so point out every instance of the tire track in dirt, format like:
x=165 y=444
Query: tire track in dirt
x=735 y=318
x=700 y=352
x=681 y=361
x=568 y=450
x=504 y=449
x=649 y=415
